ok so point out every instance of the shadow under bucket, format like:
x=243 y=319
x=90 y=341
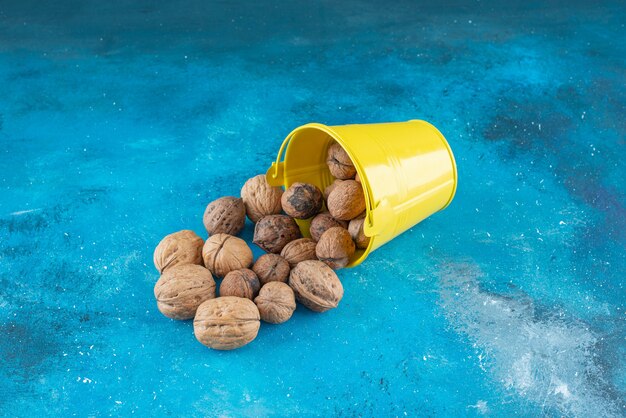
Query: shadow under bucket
x=407 y=170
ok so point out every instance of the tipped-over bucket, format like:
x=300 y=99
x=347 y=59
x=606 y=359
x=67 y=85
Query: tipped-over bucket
x=406 y=168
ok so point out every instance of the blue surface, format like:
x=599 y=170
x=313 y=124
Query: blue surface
x=119 y=123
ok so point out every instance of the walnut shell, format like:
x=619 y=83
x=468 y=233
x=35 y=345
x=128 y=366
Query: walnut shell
x=316 y=285
x=339 y=162
x=356 y=232
x=302 y=200
x=331 y=187
x=299 y=250
x=241 y=283
x=182 y=247
x=335 y=247
x=322 y=222
x=261 y=199
x=357 y=178
x=346 y=201
x=276 y=302
x=227 y=322
x=226 y=215
x=182 y=288
x=273 y=232
x=271 y=268
x=224 y=253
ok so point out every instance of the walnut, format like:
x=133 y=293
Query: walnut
x=357 y=178
x=183 y=247
x=276 y=302
x=299 y=250
x=226 y=215
x=273 y=232
x=356 y=232
x=224 y=253
x=331 y=187
x=241 y=283
x=227 y=322
x=339 y=163
x=261 y=199
x=182 y=288
x=346 y=201
x=302 y=200
x=335 y=247
x=316 y=285
x=322 y=222
x=271 y=268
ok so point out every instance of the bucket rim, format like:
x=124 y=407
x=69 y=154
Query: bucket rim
x=364 y=182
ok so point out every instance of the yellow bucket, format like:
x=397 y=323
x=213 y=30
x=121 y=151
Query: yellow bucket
x=406 y=168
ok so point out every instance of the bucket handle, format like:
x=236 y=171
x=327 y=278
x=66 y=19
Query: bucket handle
x=378 y=218
x=275 y=176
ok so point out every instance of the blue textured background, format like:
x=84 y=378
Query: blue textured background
x=119 y=123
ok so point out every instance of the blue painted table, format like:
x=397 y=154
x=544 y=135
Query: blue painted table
x=120 y=121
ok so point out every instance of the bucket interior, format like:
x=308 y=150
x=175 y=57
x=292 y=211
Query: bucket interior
x=305 y=161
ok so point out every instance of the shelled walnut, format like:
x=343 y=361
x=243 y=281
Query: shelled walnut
x=271 y=268
x=316 y=285
x=182 y=288
x=276 y=302
x=182 y=247
x=261 y=199
x=226 y=215
x=227 y=322
x=299 y=250
x=241 y=283
x=224 y=253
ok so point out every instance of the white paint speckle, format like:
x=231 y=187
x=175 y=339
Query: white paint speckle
x=481 y=406
x=561 y=389
x=24 y=212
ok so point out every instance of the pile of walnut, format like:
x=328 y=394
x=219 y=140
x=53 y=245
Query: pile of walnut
x=294 y=268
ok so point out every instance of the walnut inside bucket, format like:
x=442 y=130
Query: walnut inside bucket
x=339 y=162
x=346 y=201
x=242 y=283
x=356 y=231
x=302 y=200
x=322 y=222
x=273 y=232
x=335 y=247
